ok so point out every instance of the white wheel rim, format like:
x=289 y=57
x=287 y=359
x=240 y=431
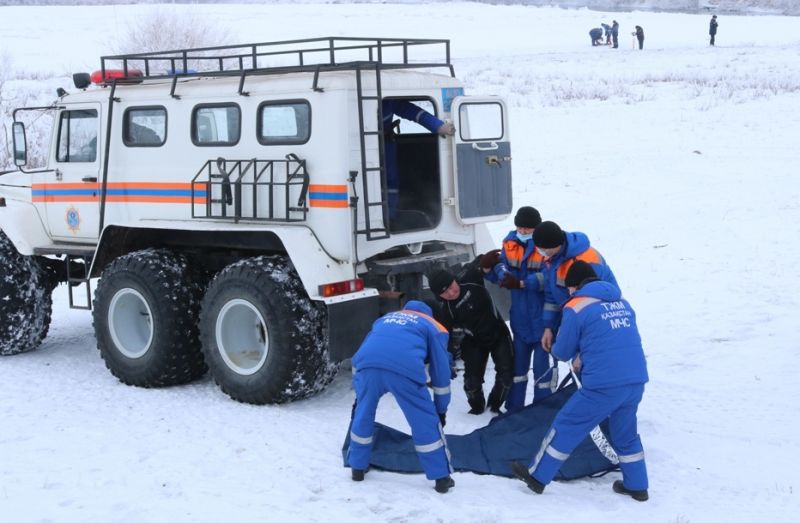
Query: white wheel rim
x=130 y=322
x=242 y=337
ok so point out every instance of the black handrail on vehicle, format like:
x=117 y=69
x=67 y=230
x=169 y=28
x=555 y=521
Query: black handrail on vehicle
x=235 y=60
x=224 y=183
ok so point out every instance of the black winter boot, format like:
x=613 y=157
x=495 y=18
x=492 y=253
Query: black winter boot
x=476 y=401
x=444 y=484
x=521 y=472
x=358 y=474
x=638 y=495
x=497 y=396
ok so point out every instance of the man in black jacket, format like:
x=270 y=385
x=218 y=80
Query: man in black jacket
x=712 y=28
x=467 y=304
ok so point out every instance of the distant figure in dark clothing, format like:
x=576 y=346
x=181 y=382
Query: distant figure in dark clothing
x=712 y=28
x=615 y=34
x=607 y=30
x=640 y=36
x=597 y=36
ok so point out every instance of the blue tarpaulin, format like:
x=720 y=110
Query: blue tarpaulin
x=491 y=449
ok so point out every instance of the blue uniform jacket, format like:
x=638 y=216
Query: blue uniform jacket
x=409 y=111
x=523 y=261
x=403 y=342
x=601 y=325
x=576 y=247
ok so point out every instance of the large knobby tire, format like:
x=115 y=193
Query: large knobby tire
x=145 y=319
x=26 y=300
x=264 y=340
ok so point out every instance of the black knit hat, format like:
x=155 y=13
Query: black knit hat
x=548 y=235
x=527 y=217
x=440 y=280
x=579 y=273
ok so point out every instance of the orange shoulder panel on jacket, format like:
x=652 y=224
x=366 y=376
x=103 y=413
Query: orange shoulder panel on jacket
x=439 y=326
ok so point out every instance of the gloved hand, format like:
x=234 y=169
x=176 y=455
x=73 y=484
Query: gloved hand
x=510 y=282
x=446 y=129
x=490 y=259
x=442 y=416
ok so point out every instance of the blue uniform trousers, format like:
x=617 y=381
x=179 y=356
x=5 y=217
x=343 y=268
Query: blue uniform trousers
x=547 y=381
x=584 y=411
x=418 y=408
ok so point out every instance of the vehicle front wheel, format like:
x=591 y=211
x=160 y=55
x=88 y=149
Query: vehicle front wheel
x=26 y=300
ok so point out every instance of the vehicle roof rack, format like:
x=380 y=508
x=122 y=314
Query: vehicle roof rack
x=287 y=56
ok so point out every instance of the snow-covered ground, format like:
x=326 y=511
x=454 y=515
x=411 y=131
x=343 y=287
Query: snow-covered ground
x=679 y=162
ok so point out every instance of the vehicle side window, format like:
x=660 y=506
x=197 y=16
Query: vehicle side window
x=77 y=136
x=144 y=127
x=218 y=124
x=284 y=122
x=481 y=121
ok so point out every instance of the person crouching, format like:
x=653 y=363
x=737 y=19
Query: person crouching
x=392 y=359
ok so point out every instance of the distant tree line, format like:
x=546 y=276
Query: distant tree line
x=785 y=7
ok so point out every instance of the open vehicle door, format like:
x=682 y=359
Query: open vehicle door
x=482 y=159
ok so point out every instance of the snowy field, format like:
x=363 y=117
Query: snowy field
x=680 y=163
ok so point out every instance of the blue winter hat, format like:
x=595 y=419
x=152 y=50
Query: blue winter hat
x=416 y=305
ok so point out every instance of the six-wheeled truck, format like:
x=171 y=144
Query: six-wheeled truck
x=229 y=206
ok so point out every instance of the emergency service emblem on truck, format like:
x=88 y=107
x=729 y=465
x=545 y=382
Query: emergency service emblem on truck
x=230 y=206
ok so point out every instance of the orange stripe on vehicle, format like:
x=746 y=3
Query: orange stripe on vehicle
x=56 y=186
x=69 y=198
x=335 y=204
x=327 y=188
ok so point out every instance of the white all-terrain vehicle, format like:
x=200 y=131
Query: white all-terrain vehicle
x=233 y=203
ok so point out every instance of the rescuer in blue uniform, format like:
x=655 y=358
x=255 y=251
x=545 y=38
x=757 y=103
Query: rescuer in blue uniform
x=517 y=267
x=392 y=359
x=560 y=250
x=408 y=111
x=600 y=327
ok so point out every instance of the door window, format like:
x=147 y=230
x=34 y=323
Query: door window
x=480 y=122
x=77 y=136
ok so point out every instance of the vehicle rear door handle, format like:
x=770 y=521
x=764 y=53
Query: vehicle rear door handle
x=89 y=179
x=491 y=147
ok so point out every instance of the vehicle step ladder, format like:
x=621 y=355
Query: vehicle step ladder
x=76 y=280
x=371 y=176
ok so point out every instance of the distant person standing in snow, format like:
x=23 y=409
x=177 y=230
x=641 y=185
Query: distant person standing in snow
x=639 y=33
x=392 y=360
x=712 y=28
x=596 y=35
x=599 y=334
x=615 y=33
x=607 y=30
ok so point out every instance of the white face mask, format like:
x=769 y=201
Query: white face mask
x=542 y=252
x=524 y=237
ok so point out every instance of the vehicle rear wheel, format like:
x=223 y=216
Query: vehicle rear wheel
x=26 y=300
x=264 y=340
x=145 y=319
